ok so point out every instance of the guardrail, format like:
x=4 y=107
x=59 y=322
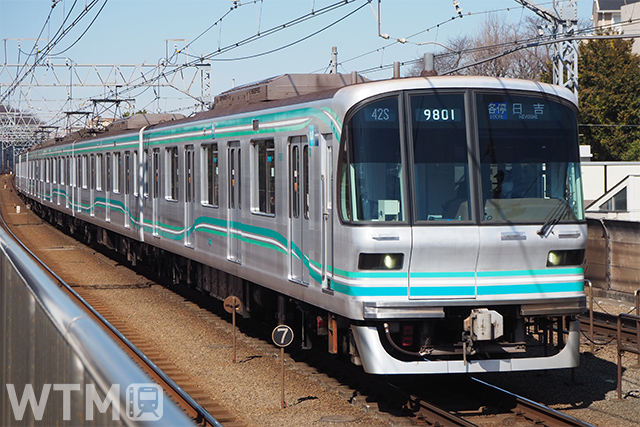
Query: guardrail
x=58 y=366
x=622 y=347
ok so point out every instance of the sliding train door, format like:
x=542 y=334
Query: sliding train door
x=234 y=236
x=299 y=209
x=189 y=196
x=128 y=203
x=327 y=195
x=155 y=189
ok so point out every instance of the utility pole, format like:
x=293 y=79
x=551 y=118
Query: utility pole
x=564 y=23
x=334 y=60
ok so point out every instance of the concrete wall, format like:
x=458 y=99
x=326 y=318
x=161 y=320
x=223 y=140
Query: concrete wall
x=613 y=255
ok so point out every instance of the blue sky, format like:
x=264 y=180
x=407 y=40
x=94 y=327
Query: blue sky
x=136 y=31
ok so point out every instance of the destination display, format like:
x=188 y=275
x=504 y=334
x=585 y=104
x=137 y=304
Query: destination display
x=503 y=109
x=534 y=110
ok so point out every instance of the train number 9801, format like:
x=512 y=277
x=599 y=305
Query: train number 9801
x=441 y=114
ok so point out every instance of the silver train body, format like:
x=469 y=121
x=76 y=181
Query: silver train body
x=419 y=225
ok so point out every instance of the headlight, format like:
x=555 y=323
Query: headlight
x=564 y=258
x=554 y=259
x=380 y=261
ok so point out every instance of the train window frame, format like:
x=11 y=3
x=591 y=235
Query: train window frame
x=155 y=160
x=294 y=188
x=68 y=173
x=99 y=172
x=210 y=184
x=305 y=181
x=78 y=176
x=345 y=194
x=189 y=171
x=108 y=172
x=54 y=165
x=146 y=172
x=92 y=175
x=135 y=170
x=85 y=171
x=62 y=170
x=117 y=173
x=263 y=177
x=127 y=173
x=496 y=203
x=461 y=184
x=172 y=166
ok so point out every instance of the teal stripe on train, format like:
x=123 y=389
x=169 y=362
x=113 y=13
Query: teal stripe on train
x=271 y=239
x=198 y=133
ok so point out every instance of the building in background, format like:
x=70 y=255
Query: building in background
x=622 y=16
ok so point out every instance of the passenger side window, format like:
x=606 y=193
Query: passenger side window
x=171 y=164
x=117 y=172
x=263 y=181
x=210 y=185
x=107 y=168
x=135 y=170
x=99 y=172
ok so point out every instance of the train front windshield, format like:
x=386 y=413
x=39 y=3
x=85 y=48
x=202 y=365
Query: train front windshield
x=517 y=154
x=528 y=158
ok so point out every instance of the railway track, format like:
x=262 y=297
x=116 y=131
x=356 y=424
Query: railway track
x=606 y=325
x=369 y=392
x=478 y=403
x=169 y=379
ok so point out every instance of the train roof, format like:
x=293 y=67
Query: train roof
x=290 y=89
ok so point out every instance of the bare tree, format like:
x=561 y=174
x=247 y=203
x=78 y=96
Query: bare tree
x=498 y=40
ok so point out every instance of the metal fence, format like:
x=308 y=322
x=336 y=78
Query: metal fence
x=58 y=366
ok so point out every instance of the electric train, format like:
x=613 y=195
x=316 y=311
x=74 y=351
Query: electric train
x=416 y=225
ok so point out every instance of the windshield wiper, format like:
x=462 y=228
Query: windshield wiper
x=554 y=217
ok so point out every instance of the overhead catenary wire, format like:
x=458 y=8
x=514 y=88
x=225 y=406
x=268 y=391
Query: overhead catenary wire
x=294 y=42
x=34 y=49
x=529 y=42
x=147 y=79
x=85 y=30
x=213 y=56
x=516 y=45
x=407 y=39
x=60 y=34
x=216 y=55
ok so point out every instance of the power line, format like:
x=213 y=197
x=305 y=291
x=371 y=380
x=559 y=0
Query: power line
x=60 y=34
x=407 y=39
x=297 y=41
x=515 y=45
x=84 y=32
x=220 y=51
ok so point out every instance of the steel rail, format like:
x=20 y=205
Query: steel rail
x=537 y=412
x=606 y=325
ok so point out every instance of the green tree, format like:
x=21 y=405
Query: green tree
x=493 y=38
x=609 y=85
x=128 y=114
